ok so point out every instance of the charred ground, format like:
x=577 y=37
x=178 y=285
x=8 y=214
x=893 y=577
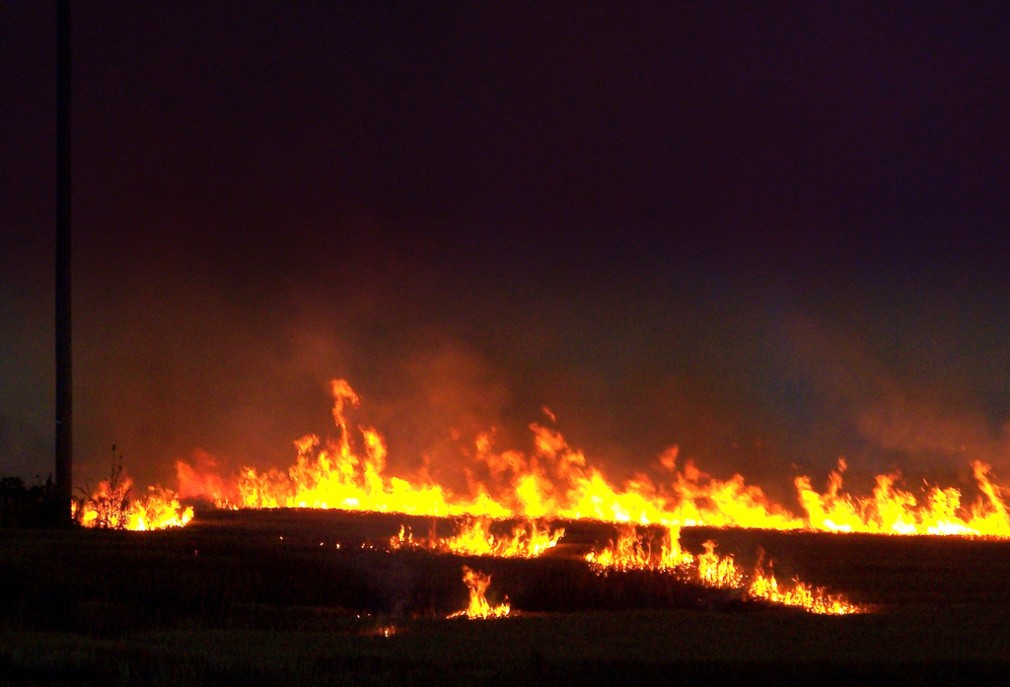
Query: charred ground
x=268 y=598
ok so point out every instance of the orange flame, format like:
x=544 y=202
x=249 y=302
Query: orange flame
x=528 y=539
x=763 y=585
x=633 y=552
x=479 y=608
x=112 y=507
x=717 y=571
x=894 y=511
x=405 y=540
x=556 y=481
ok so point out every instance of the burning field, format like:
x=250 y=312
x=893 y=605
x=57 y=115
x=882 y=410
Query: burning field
x=306 y=596
x=505 y=343
x=554 y=481
x=337 y=571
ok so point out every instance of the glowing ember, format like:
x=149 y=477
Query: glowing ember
x=405 y=540
x=381 y=631
x=479 y=608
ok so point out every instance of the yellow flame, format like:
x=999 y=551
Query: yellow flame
x=717 y=571
x=763 y=585
x=479 y=607
x=111 y=506
x=890 y=510
x=528 y=539
x=556 y=481
x=473 y=537
x=404 y=540
x=633 y=552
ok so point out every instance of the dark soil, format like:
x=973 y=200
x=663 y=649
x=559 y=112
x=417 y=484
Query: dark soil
x=269 y=598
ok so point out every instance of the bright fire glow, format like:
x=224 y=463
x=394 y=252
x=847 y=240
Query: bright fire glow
x=764 y=586
x=630 y=551
x=479 y=607
x=555 y=481
x=634 y=552
x=890 y=510
x=527 y=539
x=717 y=571
x=112 y=506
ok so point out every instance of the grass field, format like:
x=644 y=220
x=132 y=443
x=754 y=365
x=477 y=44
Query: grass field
x=267 y=598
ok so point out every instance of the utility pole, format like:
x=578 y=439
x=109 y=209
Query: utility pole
x=64 y=357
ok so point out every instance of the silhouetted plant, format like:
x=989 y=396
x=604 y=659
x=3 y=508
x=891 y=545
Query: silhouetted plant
x=108 y=505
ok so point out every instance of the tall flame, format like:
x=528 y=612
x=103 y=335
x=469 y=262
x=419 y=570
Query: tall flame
x=717 y=571
x=556 y=481
x=890 y=510
x=631 y=551
x=479 y=607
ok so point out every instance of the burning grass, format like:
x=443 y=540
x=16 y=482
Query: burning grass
x=479 y=608
x=228 y=600
x=553 y=482
x=473 y=537
x=112 y=505
x=557 y=482
x=634 y=551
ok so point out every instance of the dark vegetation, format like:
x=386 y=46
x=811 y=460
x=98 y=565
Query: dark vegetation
x=22 y=505
x=268 y=598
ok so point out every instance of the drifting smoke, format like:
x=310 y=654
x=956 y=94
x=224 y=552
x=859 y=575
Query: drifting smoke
x=223 y=383
x=925 y=423
x=467 y=265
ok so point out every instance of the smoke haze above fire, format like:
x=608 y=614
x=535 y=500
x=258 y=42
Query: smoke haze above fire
x=771 y=235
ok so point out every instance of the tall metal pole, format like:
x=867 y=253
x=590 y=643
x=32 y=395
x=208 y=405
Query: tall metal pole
x=64 y=357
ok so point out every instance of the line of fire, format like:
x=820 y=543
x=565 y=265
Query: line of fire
x=521 y=504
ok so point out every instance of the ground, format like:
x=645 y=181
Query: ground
x=268 y=598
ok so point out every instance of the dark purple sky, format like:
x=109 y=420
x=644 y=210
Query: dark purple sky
x=771 y=233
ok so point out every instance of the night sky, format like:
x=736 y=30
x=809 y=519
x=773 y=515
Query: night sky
x=773 y=233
